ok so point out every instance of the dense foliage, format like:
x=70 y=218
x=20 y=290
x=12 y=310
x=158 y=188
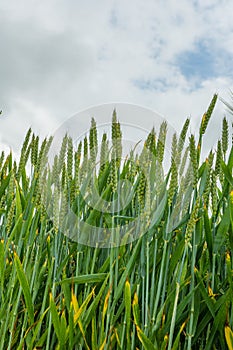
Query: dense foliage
x=169 y=289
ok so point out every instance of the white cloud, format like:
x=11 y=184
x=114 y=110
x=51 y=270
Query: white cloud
x=58 y=57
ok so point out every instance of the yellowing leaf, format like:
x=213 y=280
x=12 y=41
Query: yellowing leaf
x=229 y=337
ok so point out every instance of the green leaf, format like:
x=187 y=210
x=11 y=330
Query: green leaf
x=136 y=312
x=4 y=184
x=227 y=173
x=126 y=272
x=204 y=177
x=208 y=301
x=177 y=340
x=229 y=337
x=230 y=160
x=83 y=279
x=63 y=326
x=91 y=310
x=94 y=345
x=82 y=308
x=25 y=287
x=127 y=296
x=2 y=264
x=18 y=202
x=208 y=235
x=219 y=321
x=56 y=321
x=38 y=326
x=40 y=343
x=222 y=230
x=147 y=344
x=158 y=214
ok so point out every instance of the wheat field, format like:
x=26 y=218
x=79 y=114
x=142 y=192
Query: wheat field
x=165 y=283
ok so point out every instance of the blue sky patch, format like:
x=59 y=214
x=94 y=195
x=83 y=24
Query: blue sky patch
x=198 y=63
x=151 y=84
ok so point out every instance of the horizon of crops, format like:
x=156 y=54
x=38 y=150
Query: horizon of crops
x=165 y=283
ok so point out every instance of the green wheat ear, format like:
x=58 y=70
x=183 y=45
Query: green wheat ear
x=174 y=149
x=206 y=194
x=183 y=135
x=151 y=142
x=113 y=172
x=173 y=183
x=141 y=191
x=70 y=156
x=225 y=136
x=116 y=139
x=214 y=197
x=62 y=153
x=10 y=216
x=93 y=141
x=77 y=157
x=193 y=159
x=64 y=176
x=85 y=149
x=218 y=158
x=183 y=161
x=104 y=153
x=2 y=159
x=161 y=142
x=85 y=162
x=55 y=172
x=24 y=154
x=34 y=150
x=26 y=140
x=11 y=188
x=204 y=123
x=210 y=158
x=192 y=222
x=181 y=141
x=206 y=117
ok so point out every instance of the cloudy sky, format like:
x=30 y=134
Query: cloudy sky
x=60 y=57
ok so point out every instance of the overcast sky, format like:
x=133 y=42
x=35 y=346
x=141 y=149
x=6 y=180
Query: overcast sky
x=60 y=57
